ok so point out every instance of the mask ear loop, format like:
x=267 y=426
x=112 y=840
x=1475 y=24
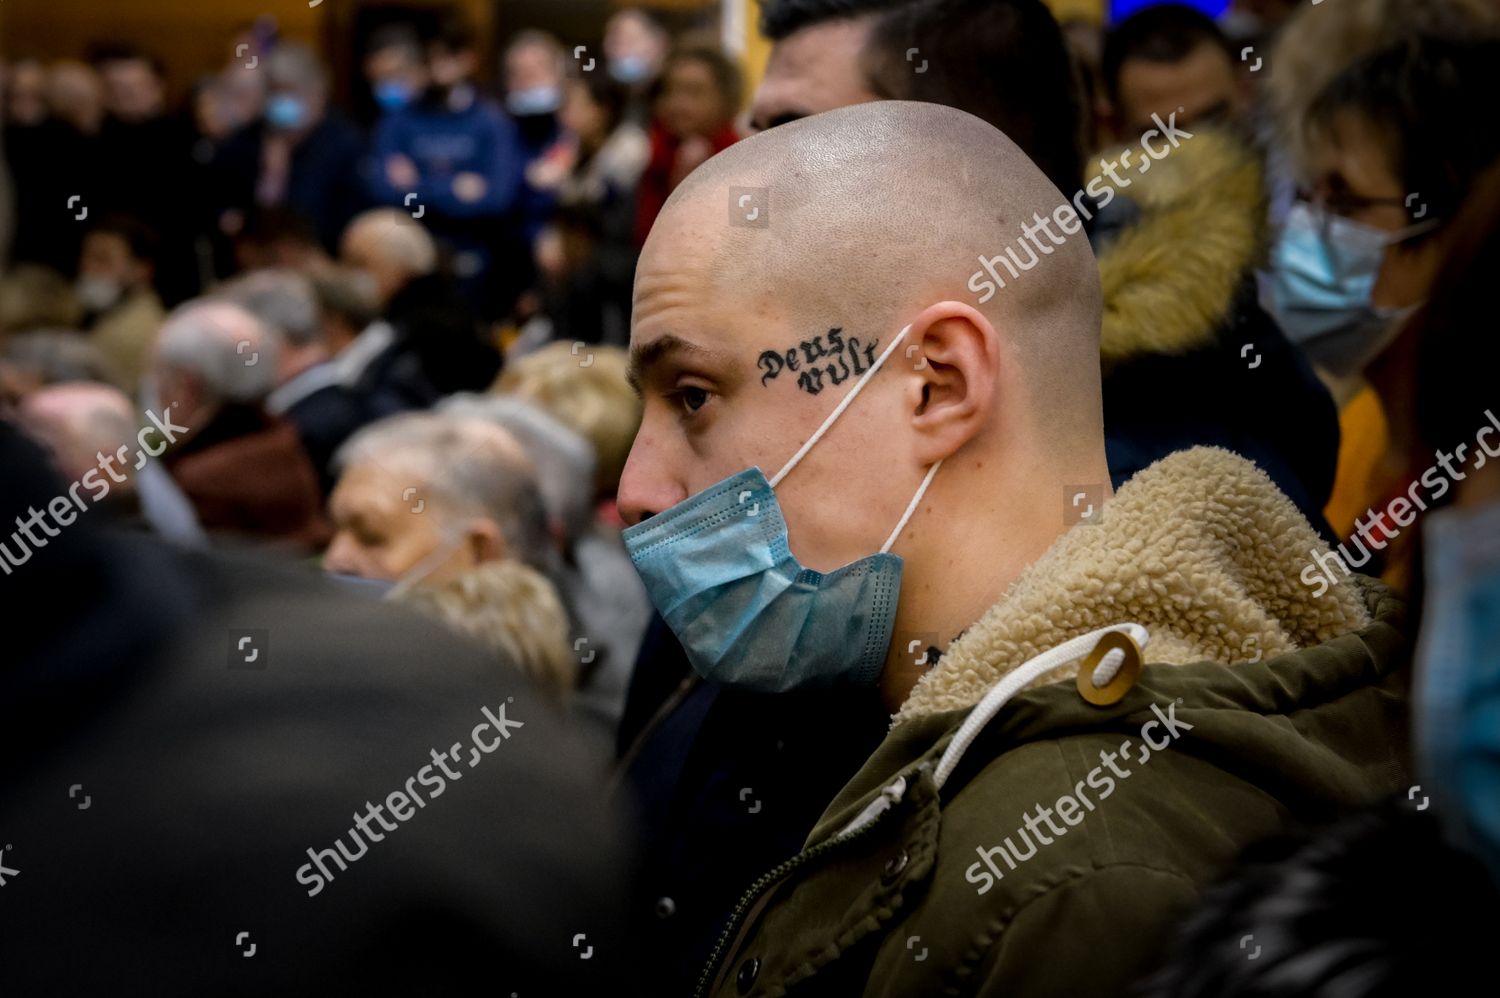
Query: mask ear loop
x=449 y=542
x=839 y=409
x=911 y=507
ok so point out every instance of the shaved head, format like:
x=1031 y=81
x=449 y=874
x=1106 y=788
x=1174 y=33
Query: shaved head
x=885 y=207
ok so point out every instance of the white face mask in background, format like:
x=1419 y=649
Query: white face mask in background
x=98 y=294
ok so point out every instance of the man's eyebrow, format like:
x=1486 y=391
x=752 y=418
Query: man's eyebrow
x=644 y=358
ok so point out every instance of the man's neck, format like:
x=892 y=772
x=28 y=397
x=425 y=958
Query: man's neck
x=953 y=575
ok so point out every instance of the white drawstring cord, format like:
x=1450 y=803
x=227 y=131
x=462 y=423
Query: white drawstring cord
x=987 y=708
x=1047 y=661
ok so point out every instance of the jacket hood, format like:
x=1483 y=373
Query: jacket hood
x=1169 y=281
x=1200 y=548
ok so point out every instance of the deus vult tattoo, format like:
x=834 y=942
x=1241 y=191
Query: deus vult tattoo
x=840 y=360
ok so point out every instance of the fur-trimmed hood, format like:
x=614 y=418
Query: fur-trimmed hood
x=1201 y=548
x=1170 y=279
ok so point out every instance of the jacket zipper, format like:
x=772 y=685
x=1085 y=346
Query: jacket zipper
x=766 y=880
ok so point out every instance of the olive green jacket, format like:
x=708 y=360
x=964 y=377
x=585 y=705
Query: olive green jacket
x=1068 y=838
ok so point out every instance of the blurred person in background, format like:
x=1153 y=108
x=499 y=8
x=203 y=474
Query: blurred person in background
x=33 y=360
x=54 y=168
x=586 y=257
x=433 y=345
x=75 y=97
x=427 y=497
x=121 y=310
x=453 y=159
x=34 y=141
x=534 y=64
x=25 y=95
x=511 y=610
x=226 y=716
x=301 y=154
x=310 y=392
x=1329 y=910
x=601 y=589
x=152 y=174
x=244 y=470
x=35 y=297
x=588 y=390
x=394 y=68
x=700 y=96
x=279 y=237
x=1313 y=43
x=1005 y=62
x=354 y=332
x=81 y=420
x=1170 y=58
x=1390 y=147
x=635 y=49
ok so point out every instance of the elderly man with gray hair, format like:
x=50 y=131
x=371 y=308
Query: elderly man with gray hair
x=435 y=345
x=244 y=470
x=598 y=584
x=301 y=154
x=311 y=392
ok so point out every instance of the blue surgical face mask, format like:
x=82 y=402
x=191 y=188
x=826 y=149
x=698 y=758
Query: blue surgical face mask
x=1457 y=688
x=392 y=95
x=534 y=100
x=286 y=111
x=719 y=568
x=630 y=68
x=1323 y=272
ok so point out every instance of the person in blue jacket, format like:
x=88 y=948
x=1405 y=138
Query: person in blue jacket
x=453 y=159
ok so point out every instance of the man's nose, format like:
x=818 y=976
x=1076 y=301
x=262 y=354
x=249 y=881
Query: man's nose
x=341 y=558
x=645 y=486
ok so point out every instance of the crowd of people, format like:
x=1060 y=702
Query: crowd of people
x=735 y=457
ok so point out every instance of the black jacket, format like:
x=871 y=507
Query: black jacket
x=730 y=783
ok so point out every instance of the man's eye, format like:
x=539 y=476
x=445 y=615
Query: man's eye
x=691 y=398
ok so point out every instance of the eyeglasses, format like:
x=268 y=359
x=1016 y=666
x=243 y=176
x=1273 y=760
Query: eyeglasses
x=1353 y=248
x=1345 y=206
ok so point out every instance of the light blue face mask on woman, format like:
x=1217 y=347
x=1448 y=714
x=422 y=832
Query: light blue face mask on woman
x=1457 y=689
x=719 y=568
x=1323 y=272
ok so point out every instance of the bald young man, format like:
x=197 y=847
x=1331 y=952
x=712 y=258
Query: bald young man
x=854 y=474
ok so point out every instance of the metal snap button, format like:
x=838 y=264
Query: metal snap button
x=895 y=865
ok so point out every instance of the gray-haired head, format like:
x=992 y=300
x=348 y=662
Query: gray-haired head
x=55 y=356
x=391 y=246
x=468 y=467
x=221 y=348
x=564 y=460
x=283 y=300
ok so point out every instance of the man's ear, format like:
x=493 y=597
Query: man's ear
x=955 y=352
x=483 y=540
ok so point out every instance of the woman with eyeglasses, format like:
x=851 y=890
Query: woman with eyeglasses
x=1392 y=147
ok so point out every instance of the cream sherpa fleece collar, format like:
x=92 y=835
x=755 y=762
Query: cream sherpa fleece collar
x=1200 y=547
